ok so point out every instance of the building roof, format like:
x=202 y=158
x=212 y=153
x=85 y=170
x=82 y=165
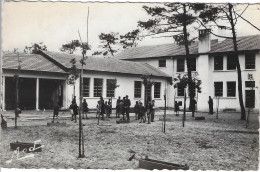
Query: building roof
x=103 y=64
x=243 y=43
x=170 y=50
x=30 y=62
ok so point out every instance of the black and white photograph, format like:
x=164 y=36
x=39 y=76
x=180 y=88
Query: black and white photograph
x=130 y=85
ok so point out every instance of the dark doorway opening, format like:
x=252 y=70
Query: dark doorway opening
x=250 y=98
x=27 y=93
x=50 y=91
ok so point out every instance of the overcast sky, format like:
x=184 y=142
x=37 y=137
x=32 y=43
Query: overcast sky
x=57 y=23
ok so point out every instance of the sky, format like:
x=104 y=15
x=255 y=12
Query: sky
x=57 y=23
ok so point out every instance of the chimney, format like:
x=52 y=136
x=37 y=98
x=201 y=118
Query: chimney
x=204 y=40
x=221 y=32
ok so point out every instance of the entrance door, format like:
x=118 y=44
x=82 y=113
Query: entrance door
x=250 y=98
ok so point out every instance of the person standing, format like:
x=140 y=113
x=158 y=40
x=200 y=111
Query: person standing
x=75 y=111
x=136 y=109
x=192 y=106
x=127 y=106
x=118 y=107
x=74 y=100
x=102 y=108
x=210 y=102
x=85 y=108
x=152 y=110
x=56 y=109
x=142 y=112
x=109 y=107
x=71 y=110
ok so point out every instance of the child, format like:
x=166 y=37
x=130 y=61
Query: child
x=85 y=108
x=149 y=111
x=55 y=112
x=136 y=109
x=98 y=108
x=121 y=107
x=106 y=109
x=71 y=110
x=75 y=111
x=142 y=112
x=109 y=107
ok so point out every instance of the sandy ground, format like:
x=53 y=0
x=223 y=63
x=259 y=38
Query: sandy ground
x=213 y=144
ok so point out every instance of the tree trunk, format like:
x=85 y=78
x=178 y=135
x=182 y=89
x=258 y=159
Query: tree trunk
x=239 y=77
x=81 y=137
x=73 y=90
x=186 y=44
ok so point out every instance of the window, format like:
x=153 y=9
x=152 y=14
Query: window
x=138 y=89
x=231 y=89
x=180 y=65
x=157 y=90
x=250 y=61
x=85 y=90
x=162 y=63
x=98 y=87
x=218 y=89
x=193 y=64
x=111 y=87
x=218 y=63
x=250 y=84
x=180 y=90
x=231 y=62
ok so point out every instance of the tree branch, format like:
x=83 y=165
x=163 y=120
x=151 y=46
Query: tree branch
x=249 y=22
x=243 y=12
x=214 y=33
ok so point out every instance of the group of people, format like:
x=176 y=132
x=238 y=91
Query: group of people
x=141 y=112
x=122 y=107
x=104 y=107
x=74 y=109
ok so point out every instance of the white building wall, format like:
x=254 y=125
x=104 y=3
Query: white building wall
x=126 y=87
x=170 y=70
x=231 y=75
x=205 y=69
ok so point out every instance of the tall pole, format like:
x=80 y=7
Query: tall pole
x=17 y=90
x=81 y=135
x=164 y=116
x=184 y=110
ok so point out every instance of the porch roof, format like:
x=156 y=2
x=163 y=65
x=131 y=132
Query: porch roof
x=30 y=62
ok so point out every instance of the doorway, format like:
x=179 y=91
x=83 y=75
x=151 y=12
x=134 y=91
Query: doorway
x=250 y=98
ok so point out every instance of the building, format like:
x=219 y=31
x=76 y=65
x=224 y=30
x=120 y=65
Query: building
x=213 y=61
x=44 y=77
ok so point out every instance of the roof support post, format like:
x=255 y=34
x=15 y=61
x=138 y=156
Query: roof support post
x=3 y=93
x=37 y=93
